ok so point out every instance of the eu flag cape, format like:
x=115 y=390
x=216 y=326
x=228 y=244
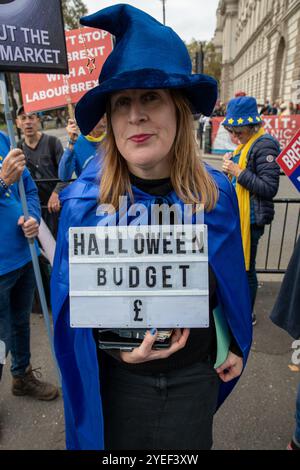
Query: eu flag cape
x=76 y=348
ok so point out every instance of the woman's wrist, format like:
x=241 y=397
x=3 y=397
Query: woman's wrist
x=238 y=172
x=4 y=183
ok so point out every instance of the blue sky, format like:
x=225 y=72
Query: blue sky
x=189 y=18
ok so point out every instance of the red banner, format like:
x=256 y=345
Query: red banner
x=87 y=50
x=281 y=127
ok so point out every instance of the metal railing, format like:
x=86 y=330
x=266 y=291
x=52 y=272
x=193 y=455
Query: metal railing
x=280 y=237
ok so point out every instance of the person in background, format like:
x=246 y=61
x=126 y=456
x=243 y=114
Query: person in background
x=17 y=281
x=43 y=153
x=286 y=315
x=274 y=109
x=238 y=94
x=287 y=108
x=144 y=397
x=266 y=109
x=255 y=174
x=80 y=149
x=41 y=118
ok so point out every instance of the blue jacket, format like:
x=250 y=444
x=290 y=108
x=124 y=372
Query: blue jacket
x=76 y=160
x=14 y=249
x=261 y=177
x=75 y=347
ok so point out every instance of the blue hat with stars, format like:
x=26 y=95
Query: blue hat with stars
x=147 y=55
x=242 y=111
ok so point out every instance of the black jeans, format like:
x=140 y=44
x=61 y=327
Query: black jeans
x=16 y=297
x=166 y=411
x=256 y=233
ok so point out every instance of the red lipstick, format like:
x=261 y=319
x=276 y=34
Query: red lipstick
x=140 y=138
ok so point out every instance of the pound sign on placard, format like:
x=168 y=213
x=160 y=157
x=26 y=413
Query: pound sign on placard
x=137 y=309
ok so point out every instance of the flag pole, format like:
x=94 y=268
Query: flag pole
x=33 y=252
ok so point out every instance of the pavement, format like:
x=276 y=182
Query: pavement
x=259 y=414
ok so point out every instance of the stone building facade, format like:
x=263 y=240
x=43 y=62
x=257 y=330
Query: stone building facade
x=260 y=45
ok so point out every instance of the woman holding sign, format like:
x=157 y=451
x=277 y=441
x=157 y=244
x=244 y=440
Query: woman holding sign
x=146 y=396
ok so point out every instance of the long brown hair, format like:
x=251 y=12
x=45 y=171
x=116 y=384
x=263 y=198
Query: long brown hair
x=190 y=180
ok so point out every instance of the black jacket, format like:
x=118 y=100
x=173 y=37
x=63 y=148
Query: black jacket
x=286 y=311
x=261 y=177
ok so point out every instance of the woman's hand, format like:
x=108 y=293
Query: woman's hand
x=53 y=203
x=72 y=130
x=231 y=368
x=231 y=168
x=145 y=352
x=13 y=166
x=227 y=156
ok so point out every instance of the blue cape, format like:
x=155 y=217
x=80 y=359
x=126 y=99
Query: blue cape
x=75 y=347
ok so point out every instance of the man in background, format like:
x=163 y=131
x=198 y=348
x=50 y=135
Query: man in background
x=43 y=153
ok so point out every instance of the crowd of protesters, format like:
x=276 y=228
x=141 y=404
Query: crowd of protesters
x=276 y=108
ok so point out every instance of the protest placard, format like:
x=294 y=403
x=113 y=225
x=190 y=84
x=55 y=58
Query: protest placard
x=281 y=127
x=32 y=37
x=139 y=276
x=32 y=40
x=87 y=50
x=289 y=160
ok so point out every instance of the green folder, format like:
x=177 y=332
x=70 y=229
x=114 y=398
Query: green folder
x=223 y=336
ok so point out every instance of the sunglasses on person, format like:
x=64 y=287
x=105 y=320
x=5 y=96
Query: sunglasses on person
x=233 y=131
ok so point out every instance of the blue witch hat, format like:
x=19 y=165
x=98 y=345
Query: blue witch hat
x=242 y=111
x=147 y=54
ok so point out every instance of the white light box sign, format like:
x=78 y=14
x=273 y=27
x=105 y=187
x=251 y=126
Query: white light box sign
x=139 y=276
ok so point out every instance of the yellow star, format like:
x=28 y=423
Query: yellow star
x=1 y=158
x=258 y=118
x=230 y=121
x=250 y=119
x=91 y=64
x=240 y=121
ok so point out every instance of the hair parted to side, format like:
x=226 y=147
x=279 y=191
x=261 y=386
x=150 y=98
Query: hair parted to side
x=190 y=180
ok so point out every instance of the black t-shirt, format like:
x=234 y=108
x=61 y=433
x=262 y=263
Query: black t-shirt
x=42 y=163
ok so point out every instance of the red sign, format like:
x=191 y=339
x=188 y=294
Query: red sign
x=289 y=159
x=281 y=127
x=87 y=50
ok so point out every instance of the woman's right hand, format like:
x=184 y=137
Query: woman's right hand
x=227 y=156
x=72 y=129
x=145 y=353
x=13 y=166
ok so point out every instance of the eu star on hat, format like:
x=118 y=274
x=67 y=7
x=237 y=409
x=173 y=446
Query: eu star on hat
x=147 y=55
